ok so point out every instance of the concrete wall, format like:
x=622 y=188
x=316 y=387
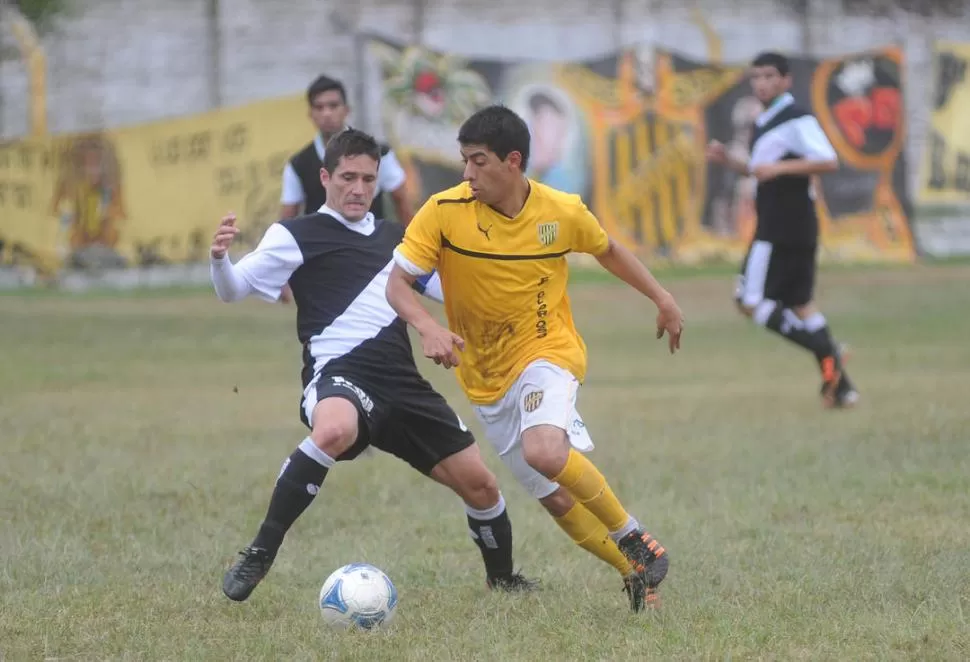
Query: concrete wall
x=116 y=62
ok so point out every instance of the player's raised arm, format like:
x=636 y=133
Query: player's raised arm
x=417 y=257
x=590 y=237
x=264 y=272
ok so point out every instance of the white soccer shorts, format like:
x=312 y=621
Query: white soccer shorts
x=544 y=394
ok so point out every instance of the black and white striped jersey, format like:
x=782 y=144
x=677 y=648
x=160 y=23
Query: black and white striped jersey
x=786 y=205
x=338 y=272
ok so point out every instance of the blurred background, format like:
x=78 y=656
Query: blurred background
x=167 y=114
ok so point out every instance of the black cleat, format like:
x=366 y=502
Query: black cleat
x=640 y=596
x=843 y=395
x=512 y=583
x=647 y=556
x=246 y=573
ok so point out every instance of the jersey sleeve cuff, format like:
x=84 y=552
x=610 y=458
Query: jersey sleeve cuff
x=409 y=266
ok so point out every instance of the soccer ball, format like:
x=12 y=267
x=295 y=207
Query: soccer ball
x=358 y=596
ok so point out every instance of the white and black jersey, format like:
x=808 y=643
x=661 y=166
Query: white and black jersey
x=786 y=205
x=354 y=344
x=780 y=264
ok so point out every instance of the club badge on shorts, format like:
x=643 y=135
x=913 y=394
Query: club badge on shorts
x=532 y=401
x=548 y=233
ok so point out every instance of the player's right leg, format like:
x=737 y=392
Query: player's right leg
x=581 y=525
x=335 y=425
x=543 y=399
x=553 y=441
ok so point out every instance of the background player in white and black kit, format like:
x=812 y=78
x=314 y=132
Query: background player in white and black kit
x=777 y=280
x=302 y=191
x=361 y=385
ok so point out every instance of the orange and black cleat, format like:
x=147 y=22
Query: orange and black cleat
x=647 y=556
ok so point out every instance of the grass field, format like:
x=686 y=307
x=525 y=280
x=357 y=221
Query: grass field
x=141 y=438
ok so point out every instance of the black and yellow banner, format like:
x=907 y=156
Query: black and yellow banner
x=145 y=195
x=627 y=132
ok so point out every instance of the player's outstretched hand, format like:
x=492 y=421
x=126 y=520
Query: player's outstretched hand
x=670 y=321
x=223 y=237
x=440 y=344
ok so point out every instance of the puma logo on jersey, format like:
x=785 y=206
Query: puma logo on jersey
x=484 y=231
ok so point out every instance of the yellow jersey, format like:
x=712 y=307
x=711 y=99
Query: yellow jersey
x=504 y=280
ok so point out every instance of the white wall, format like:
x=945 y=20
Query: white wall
x=116 y=62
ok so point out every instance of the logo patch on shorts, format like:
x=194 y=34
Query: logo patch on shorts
x=532 y=401
x=364 y=399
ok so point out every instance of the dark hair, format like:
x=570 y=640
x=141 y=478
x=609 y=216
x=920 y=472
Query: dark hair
x=540 y=99
x=772 y=59
x=499 y=129
x=325 y=84
x=350 y=143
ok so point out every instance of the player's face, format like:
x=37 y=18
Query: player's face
x=767 y=83
x=350 y=189
x=329 y=112
x=488 y=175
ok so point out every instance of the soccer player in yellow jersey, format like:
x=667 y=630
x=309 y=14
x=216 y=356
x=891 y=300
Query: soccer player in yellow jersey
x=499 y=243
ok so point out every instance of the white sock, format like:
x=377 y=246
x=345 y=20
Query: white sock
x=312 y=451
x=631 y=525
x=488 y=513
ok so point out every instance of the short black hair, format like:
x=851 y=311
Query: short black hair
x=540 y=99
x=325 y=84
x=350 y=143
x=498 y=128
x=772 y=59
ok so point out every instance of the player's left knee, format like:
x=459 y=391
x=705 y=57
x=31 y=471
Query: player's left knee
x=545 y=449
x=470 y=479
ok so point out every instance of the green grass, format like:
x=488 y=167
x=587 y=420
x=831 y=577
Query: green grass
x=131 y=471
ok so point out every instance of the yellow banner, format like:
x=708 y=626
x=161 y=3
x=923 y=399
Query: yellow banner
x=148 y=194
x=945 y=177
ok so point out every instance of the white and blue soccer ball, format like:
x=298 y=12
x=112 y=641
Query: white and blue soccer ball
x=358 y=595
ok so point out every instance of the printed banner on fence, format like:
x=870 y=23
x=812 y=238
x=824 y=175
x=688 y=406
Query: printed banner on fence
x=627 y=132
x=945 y=176
x=146 y=195
x=942 y=221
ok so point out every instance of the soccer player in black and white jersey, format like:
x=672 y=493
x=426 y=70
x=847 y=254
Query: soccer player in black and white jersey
x=777 y=280
x=360 y=383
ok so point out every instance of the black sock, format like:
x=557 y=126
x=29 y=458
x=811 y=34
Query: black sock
x=808 y=334
x=297 y=485
x=817 y=326
x=492 y=531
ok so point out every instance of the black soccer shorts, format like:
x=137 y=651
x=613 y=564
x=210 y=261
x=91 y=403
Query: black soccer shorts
x=399 y=414
x=778 y=272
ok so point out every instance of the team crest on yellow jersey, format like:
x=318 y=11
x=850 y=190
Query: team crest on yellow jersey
x=548 y=233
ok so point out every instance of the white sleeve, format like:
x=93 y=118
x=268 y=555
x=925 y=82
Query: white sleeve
x=408 y=265
x=811 y=141
x=229 y=283
x=430 y=286
x=390 y=174
x=292 y=190
x=267 y=269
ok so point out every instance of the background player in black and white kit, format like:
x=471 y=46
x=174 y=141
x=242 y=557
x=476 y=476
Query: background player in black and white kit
x=777 y=280
x=302 y=191
x=361 y=385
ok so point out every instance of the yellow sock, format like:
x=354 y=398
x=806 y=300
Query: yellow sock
x=590 y=534
x=587 y=485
